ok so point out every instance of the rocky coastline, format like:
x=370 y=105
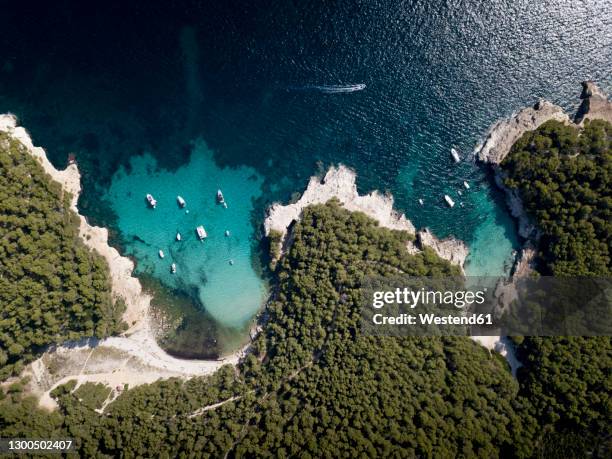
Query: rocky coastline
x=340 y=183
x=148 y=362
x=503 y=134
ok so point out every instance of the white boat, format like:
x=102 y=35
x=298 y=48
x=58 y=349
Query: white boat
x=449 y=201
x=421 y=202
x=181 y=201
x=220 y=198
x=227 y=233
x=173 y=268
x=231 y=262
x=334 y=88
x=466 y=185
x=201 y=232
x=459 y=193
x=178 y=236
x=455 y=155
x=161 y=254
x=151 y=200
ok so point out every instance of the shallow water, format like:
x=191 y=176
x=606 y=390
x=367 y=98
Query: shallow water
x=218 y=272
x=112 y=84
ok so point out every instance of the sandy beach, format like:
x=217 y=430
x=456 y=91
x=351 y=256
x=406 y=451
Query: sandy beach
x=148 y=361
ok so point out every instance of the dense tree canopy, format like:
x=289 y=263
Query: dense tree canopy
x=52 y=288
x=314 y=385
x=563 y=176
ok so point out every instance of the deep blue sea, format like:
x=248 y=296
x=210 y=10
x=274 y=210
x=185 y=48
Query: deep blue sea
x=185 y=97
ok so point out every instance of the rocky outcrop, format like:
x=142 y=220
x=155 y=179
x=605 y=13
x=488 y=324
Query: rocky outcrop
x=498 y=143
x=503 y=134
x=526 y=228
x=595 y=104
x=340 y=183
x=450 y=249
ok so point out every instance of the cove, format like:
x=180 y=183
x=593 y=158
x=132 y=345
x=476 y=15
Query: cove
x=217 y=273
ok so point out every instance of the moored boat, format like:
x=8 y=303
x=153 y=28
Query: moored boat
x=466 y=185
x=161 y=254
x=227 y=233
x=421 y=202
x=181 y=202
x=455 y=155
x=449 y=200
x=201 y=232
x=220 y=198
x=178 y=236
x=151 y=200
x=173 y=268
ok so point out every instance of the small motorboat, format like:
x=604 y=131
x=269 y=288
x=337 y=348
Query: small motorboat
x=201 y=232
x=151 y=200
x=466 y=185
x=181 y=202
x=421 y=202
x=227 y=233
x=173 y=268
x=459 y=193
x=455 y=155
x=178 y=236
x=231 y=262
x=220 y=198
x=161 y=254
x=449 y=200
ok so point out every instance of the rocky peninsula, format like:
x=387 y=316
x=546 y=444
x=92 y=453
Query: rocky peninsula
x=503 y=135
x=340 y=183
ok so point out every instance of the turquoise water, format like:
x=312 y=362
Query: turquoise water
x=230 y=293
x=479 y=216
x=108 y=87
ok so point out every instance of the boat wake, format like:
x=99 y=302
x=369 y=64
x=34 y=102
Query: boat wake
x=330 y=89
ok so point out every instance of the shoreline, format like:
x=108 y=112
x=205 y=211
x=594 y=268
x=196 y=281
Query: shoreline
x=340 y=183
x=503 y=134
x=137 y=344
x=499 y=140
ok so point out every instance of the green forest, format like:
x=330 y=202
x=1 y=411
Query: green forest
x=52 y=287
x=563 y=175
x=315 y=386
